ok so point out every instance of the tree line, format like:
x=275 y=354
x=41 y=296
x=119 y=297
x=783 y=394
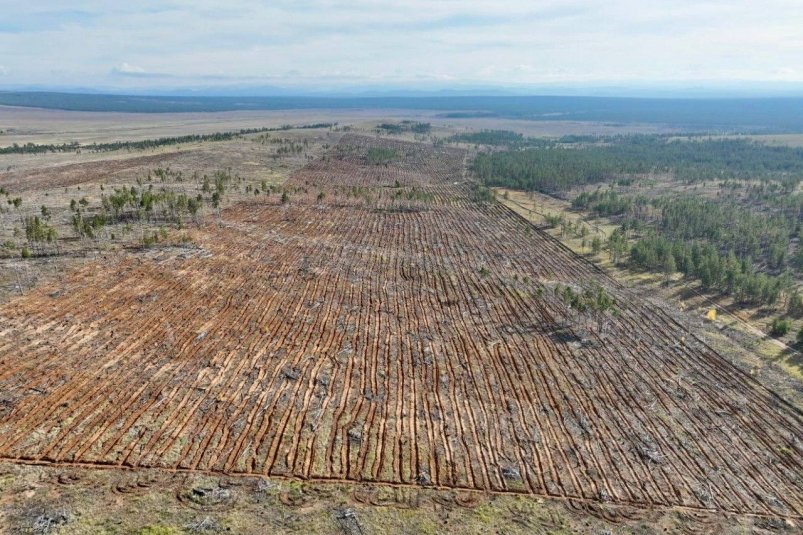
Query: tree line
x=405 y=126
x=608 y=203
x=32 y=148
x=559 y=166
x=489 y=137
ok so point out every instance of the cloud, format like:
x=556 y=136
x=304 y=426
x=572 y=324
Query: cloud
x=126 y=69
x=507 y=42
x=3 y=71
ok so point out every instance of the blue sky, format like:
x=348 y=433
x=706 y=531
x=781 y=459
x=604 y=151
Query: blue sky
x=330 y=44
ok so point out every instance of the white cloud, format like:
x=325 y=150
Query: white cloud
x=127 y=68
x=347 y=42
x=133 y=71
x=3 y=71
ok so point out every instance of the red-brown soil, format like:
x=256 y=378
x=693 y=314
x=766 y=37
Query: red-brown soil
x=408 y=338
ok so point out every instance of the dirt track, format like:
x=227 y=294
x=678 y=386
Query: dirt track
x=402 y=339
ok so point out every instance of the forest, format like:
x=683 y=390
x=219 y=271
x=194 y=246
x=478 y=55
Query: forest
x=741 y=240
x=510 y=140
x=490 y=137
x=749 y=254
x=563 y=165
x=404 y=126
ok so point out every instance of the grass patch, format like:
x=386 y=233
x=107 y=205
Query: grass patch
x=159 y=530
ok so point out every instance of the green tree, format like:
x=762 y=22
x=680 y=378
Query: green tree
x=38 y=232
x=596 y=245
x=617 y=245
x=669 y=267
x=780 y=327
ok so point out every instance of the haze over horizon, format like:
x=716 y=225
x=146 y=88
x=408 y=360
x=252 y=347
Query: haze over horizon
x=321 y=46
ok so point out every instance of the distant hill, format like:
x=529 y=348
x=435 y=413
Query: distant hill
x=703 y=115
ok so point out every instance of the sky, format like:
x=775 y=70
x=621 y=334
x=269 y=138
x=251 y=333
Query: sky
x=332 y=44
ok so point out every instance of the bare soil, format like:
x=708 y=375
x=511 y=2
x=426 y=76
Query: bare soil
x=392 y=331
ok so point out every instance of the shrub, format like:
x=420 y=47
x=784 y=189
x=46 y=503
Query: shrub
x=795 y=306
x=481 y=194
x=379 y=156
x=553 y=220
x=596 y=245
x=780 y=327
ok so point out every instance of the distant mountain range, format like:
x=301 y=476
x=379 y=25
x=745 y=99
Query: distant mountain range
x=667 y=89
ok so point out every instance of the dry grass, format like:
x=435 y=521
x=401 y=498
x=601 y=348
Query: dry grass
x=751 y=323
